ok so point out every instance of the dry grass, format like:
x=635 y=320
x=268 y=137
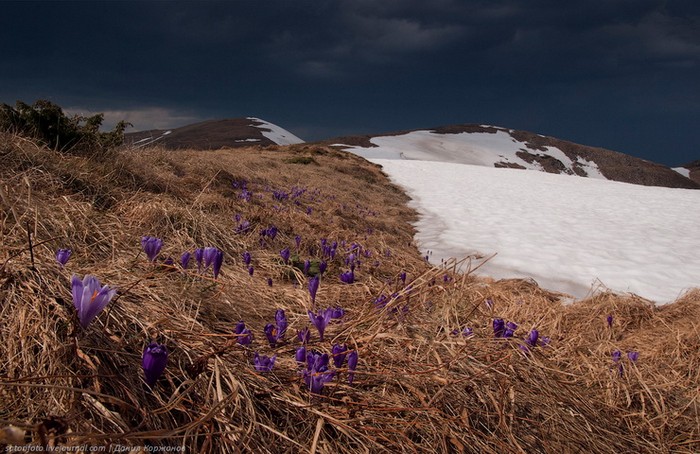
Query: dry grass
x=418 y=388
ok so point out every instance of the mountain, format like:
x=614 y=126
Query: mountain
x=215 y=134
x=495 y=146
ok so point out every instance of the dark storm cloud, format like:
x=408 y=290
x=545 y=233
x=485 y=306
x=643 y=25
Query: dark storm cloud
x=602 y=72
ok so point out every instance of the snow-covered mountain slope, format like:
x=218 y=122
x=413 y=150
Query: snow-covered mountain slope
x=494 y=146
x=215 y=134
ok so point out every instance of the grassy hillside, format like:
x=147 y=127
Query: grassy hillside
x=420 y=385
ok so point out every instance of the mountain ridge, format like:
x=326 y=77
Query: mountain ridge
x=462 y=143
x=215 y=134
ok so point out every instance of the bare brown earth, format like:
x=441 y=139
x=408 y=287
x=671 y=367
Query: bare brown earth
x=420 y=385
x=613 y=165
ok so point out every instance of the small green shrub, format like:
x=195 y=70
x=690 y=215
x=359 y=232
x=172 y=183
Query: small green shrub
x=46 y=122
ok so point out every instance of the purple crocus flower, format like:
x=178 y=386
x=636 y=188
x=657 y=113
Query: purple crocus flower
x=322 y=267
x=337 y=313
x=499 y=327
x=250 y=270
x=269 y=282
x=218 y=261
x=381 y=301
x=199 y=257
x=510 y=329
x=215 y=257
x=402 y=276
x=616 y=356
x=352 y=365
x=151 y=246
x=300 y=355
x=314 y=282
x=339 y=352
x=263 y=363
x=284 y=253
x=281 y=322
x=154 y=360
x=316 y=373
x=243 y=227
x=316 y=360
x=272 y=334
x=320 y=320
x=62 y=256
x=304 y=335
x=307 y=267
x=247 y=258
x=609 y=319
x=245 y=337
x=633 y=356
x=185 y=260
x=348 y=277
x=467 y=332
x=532 y=338
x=489 y=303
x=89 y=298
x=297 y=240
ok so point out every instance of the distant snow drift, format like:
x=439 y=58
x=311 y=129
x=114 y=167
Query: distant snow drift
x=278 y=135
x=567 y=233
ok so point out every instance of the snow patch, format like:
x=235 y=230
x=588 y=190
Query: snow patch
x=682 y=170
x=569 y=234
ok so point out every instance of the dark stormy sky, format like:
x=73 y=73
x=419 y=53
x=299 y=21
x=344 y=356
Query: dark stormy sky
x=621 y=74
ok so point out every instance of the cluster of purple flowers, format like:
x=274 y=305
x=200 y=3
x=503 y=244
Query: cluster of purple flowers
x=329 y=250
x=466 y=332
x=503 y=329
x=263 y=363
x=632 y=356
x=270 y=232
x=206 y=257
x=317 y=372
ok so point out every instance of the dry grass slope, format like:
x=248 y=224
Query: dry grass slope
x=418 y=387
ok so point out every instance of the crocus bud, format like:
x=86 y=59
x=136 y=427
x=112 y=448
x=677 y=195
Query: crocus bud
x=314 y=282
x=284 y=253
x=151 y=246
x=62 y=256
x=185 y=260
x=155 y=358
x=352 y=365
